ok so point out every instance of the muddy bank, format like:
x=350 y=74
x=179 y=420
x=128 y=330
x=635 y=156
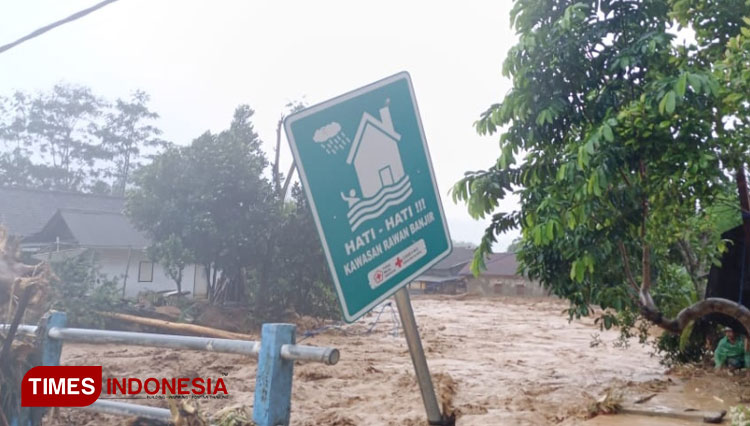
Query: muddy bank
x=495 y=362
x=688 y=391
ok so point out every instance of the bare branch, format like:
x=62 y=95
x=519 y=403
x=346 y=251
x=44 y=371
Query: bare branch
x=288 y=179
x=275 y=168
x=645 y=293
x=626 y=264
x=690 y=262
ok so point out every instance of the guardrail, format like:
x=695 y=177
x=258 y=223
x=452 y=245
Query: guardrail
x=276 y=352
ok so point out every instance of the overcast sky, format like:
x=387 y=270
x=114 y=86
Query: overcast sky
x=200 y=59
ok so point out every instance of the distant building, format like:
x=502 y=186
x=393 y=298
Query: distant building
x=24 y=212
x=445 y=276
x=501 y=278
x=54 y=225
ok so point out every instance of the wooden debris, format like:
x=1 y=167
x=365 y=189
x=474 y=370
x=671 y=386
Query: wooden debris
x=186 y=413
x=689 y=414
x=191 y=329
x=646 y=398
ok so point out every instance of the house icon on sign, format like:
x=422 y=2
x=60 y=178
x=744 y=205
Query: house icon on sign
x=377 y=161
x=375 y=154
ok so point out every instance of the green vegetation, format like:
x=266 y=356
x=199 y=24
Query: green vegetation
x=70 y=139
x=80 y=290
x=634 y=146
x=210 y=203
x=739 y=415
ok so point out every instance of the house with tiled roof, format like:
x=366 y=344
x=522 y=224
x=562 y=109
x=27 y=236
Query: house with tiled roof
x=501 y=277
x=445 y=276
x=55 y=225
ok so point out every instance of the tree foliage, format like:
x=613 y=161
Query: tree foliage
x=126 y=133
x=81 y=290
x=72 y=140
x=210 y=203
x=630 y=142
x=209 y=200
x=52 y=131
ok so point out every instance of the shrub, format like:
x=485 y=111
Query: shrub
x=81 y=290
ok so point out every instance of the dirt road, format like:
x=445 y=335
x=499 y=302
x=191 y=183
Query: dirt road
x=504 y=361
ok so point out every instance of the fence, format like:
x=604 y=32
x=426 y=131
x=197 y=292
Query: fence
x=276 y=354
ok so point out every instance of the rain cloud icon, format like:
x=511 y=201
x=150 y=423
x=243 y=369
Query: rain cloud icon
x=331 y=138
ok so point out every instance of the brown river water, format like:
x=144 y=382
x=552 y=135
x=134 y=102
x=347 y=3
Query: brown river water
x=499 y=361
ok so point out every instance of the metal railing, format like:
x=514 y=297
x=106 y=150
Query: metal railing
x=276 y=353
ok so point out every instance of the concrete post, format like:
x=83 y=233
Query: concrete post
x=273 y=384
x=52 y=348
x=51 y=351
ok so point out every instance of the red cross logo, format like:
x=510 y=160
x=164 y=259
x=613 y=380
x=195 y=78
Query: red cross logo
x=378 y=276
x=399 y=262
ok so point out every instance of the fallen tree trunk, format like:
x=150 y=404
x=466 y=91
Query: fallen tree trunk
x=8 y=342
x=690 y=415
x=696 y=311
x=192 y=329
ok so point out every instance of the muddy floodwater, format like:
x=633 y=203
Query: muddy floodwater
x=500 y=361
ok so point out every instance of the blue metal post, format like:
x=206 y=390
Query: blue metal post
x=273 y=384
x=51 y=351
x=52 y=348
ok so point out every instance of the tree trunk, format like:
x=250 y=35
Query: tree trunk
x=742 y=191
x=125 y=173
x=699 y=310
x=288 y=180
x=8 y=342
x=275 y=171
x=178 y=281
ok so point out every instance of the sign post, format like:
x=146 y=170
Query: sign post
x=414 y=342
x=366 y=170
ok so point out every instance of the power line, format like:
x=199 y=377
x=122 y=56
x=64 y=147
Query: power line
x=40 y=31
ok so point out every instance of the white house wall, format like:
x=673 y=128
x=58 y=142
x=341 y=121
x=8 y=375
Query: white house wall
x=505 y=286
x=114 y=263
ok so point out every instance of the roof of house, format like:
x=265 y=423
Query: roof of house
x=385 y=125
x=90 y=228
x=25 y=211
x=437 y=280
x=498 y=264
x=459 y=256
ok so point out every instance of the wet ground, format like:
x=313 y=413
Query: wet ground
x=503 y=361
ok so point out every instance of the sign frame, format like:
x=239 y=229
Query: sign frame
x=291 y=119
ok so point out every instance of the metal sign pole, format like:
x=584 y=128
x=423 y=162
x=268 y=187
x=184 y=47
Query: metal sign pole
x=414 y=342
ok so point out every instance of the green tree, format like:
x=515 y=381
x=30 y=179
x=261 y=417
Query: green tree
x=173 y=257
x=126 y=133
x=70 y=139
x=50 y=138
x=298 y=278
x=210 y=201
x=632 y=143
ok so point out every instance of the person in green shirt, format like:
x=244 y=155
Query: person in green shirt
x=732 y=351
